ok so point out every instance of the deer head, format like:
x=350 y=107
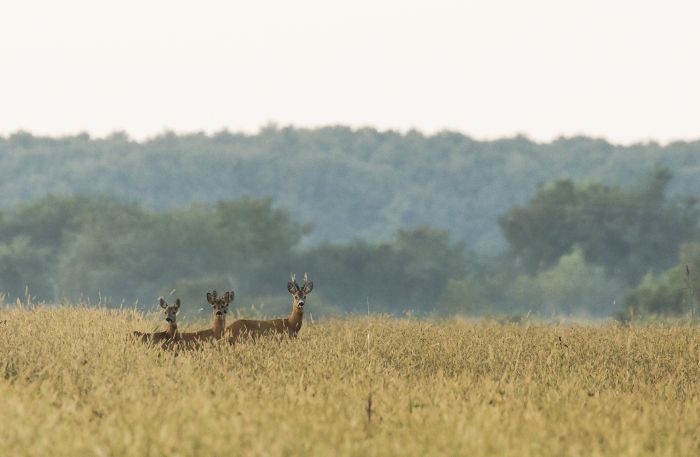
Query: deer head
x=299 y=293
x=219 y=305
x=170 y=311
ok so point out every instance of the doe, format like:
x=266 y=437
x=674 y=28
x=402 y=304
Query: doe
x=219 y=308
x=170 y=312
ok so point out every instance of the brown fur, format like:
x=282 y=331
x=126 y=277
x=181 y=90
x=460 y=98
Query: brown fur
x=171 y=332
x=243 y=328
x=218 y=325
x=157 y=337
x=249 y=328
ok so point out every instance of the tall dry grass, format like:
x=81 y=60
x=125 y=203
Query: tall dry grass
x=72 y=383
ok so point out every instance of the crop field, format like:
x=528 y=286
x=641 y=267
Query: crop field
x=74 y=383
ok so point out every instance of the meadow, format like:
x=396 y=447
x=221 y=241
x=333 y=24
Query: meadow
x=73 y=383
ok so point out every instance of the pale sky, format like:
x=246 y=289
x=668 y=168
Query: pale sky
x=625 y=70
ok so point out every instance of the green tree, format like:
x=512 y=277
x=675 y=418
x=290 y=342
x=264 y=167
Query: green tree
x=255 y=243
x=429 y=261
x=22 y=266
x=132 y=253
x=350 y=183
x=573 y=287
x=410 y=272
x=667 y=293
x=628 y=231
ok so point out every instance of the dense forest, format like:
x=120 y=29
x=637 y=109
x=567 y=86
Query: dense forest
x=401 y=222
x=346 y=184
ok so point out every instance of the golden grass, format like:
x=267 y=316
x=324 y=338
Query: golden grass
x=73 y=384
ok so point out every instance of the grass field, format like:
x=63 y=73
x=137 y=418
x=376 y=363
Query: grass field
x=73 y=384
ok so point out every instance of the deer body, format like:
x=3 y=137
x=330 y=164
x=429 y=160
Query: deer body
x=158 y=337
x=171 y=318
x=254 y=328
x=214 y=333
x=250 y=328
x=218 y=325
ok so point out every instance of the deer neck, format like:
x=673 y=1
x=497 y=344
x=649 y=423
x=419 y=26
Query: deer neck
x=172 y=329
x=296 y=317
x=218 y=325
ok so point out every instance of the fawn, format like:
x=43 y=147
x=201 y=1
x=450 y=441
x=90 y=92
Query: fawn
x=219 y=307
x=290 y=326
x=170 y=312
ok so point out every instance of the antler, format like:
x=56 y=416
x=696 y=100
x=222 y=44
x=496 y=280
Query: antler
x=308 y=285
x=292 y=286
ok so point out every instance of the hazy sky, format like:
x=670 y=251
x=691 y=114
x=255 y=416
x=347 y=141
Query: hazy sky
x=626 y=70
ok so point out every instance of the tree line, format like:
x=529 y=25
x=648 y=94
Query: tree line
x=347 y=183
x=574 y=248
x=99 y=248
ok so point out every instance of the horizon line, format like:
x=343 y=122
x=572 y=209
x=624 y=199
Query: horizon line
x=278 y=126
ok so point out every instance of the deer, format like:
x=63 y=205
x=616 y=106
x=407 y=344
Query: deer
x=248 y=328
x=170 y=312
x=219 y=307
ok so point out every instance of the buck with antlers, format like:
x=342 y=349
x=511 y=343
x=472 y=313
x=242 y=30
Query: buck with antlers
x=244 y=328
x=219 y=308
x=170 y=312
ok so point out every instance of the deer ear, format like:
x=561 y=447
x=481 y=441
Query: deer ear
x=177 y=304
x=292 y=287
x=163 y=305
x=211 y=297
x=308 y=287
x=231 y=296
